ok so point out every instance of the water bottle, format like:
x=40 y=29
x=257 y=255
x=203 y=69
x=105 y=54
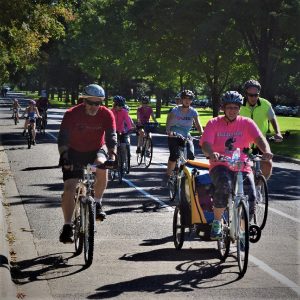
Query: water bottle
x=236 y=154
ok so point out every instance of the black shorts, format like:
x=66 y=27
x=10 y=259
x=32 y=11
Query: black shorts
x=255 y=150
x=81 y=158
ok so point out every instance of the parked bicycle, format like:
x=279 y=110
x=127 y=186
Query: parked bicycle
x=123 y=158
x=84 y=215
x=146 y=153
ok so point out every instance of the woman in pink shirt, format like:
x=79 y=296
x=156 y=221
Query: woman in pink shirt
x=221 y=136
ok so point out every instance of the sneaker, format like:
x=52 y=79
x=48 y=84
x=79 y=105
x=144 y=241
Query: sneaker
x=100 y=214
x=216 y=230
x=165 y=180
x=138 y=150
x=66 y=234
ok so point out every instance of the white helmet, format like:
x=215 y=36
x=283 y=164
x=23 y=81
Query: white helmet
x=93 y=90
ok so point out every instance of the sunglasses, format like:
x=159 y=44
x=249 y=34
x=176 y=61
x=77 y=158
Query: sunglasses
x=95 y=103
x=253 y=95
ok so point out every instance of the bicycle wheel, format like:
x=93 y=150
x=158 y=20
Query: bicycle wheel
x=148 y=152
x=128 y=158
x=178 y=229
x=89 y=232
x=15 y=119
x=262 y=201
x=78 y=236
x=29 y=138
x=120 y=166
x=140 y=156
x=224 y=242
x=172 y=185
x=125 y=160
x=112 y=174
x=242 y=238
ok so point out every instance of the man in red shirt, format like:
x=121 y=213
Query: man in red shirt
x=84 y=131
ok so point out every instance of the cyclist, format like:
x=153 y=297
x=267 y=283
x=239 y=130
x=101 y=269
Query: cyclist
x=16 y=107
x=123 y=121
x=219 y=135
x=180 y=121
x=43 y=103
x=32 y=113
x=84 y=131
x=144 y=112
x=261 y=112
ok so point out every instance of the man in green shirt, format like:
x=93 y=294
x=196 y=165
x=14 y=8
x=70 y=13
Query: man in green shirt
x=261 y=112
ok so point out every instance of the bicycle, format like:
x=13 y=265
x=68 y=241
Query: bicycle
x=29 y=133
x=123 y=159
x=262 y=194
x=146 y=153
x=235 y=222
x=173 y=179
x=42 y=123
x=15 y=116
x=84 y=215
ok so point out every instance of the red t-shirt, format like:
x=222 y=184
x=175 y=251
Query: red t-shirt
x=86 y=133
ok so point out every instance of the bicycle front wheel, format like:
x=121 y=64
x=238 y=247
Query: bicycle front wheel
x=148 y=152
x=172 y=185
x=29 y=138
x=120 y=167
x=242 y=238
x=178 y=229
x=78 y=236
x=224 y=242
x=89 y=232
x=262 y=201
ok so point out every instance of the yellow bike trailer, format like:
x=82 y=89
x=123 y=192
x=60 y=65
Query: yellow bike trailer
x=194 y=208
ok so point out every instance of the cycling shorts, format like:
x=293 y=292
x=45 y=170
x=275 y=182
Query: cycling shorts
x=174 y=149
x=81 y=158
x=222 y=178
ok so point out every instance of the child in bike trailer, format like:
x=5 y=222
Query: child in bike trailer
x=144 y=112
x=123 y=121
x=180 y=121
x=32 y=113
x=218 y=138
x=16 y=107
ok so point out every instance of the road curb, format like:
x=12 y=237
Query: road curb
x=279 y=158
x=7 y=288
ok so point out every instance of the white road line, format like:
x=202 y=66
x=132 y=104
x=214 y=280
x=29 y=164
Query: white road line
x=163 y=204
x=52 y=135
x=278 y=276
x=284 y=214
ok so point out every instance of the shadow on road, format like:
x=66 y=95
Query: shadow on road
x=46 y=267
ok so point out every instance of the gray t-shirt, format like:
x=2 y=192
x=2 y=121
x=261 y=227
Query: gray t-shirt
x=182 y=122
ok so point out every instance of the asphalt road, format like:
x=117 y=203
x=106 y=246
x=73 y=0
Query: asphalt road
x=134 y=253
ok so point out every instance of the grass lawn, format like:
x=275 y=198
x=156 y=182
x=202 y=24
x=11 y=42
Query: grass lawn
x=289 y=147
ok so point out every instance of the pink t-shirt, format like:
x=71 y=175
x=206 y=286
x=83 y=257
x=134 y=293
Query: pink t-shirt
x=217 y=131
x=144 y=114
x=123 y=121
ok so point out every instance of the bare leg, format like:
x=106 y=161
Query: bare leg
x=266 y=168
x=68 y=203
x=170 y=167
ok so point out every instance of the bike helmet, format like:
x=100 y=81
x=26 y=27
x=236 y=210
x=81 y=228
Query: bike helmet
x=119 y=101
x=32 y=102
x=145 y=100
x=252 y=83
x=187 y=94
x=232 y=97
x=178 y=96
x=93 y=90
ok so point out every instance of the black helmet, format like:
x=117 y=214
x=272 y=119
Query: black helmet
x=187 y=94
x=252 y=83
x=232 y=97
x=145 y=100
x=119 y=101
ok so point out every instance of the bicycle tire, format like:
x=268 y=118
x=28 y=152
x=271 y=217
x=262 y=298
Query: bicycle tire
x=125 y=160
x=224 y=242
x=15 y=119
x=242 y=240
x=262 y=202
x=148 y=152
x=89 y=232
x=172 y=185
x=120 y=166
x=178 y=229
x=128 y=159
x=29 y=137
x=140 y=155
x=78 y=235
